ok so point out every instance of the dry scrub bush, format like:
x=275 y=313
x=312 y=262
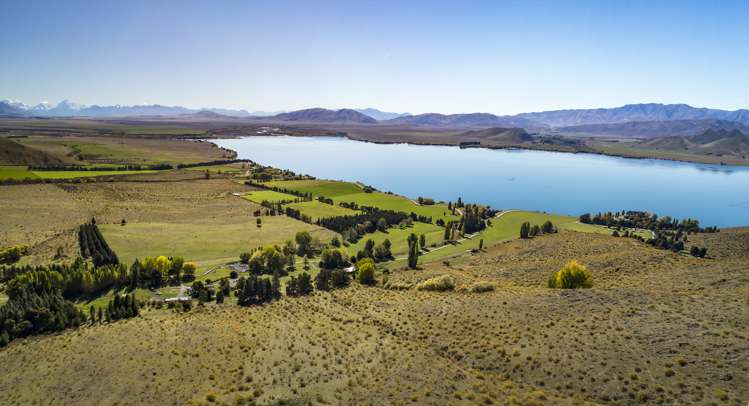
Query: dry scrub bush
x=478 y=287
x=438 y=284
x=572 y=276
x=395 y=285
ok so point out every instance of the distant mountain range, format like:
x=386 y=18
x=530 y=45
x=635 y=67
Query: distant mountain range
x=471 y=120
x=381 y=115
x=651 y=129
x=67 y=108
x=634 y=112
x=647 y=120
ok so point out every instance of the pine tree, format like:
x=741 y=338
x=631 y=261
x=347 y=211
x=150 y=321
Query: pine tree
x=413 y=251
x=276 y=286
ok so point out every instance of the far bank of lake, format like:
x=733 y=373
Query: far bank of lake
x=536 y=180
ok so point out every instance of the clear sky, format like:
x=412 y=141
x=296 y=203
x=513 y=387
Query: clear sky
x=501 y=57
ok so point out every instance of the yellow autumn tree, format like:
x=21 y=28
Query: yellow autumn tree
x=572 y=276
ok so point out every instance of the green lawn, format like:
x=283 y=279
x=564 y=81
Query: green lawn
x=207 y=245
x=317 y=210
x=327 y=188
x=268 y=195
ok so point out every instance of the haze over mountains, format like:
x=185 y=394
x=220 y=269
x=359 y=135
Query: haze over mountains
x=633 y=120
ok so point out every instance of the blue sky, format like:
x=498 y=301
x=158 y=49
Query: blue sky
x=495 y=56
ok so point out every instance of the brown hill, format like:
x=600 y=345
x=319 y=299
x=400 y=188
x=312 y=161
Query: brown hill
x=13 y=153
x=499 y=135
x=318 y=115
x=710 y=142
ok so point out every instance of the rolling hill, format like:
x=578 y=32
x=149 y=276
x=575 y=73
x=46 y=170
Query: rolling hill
x=711 y=142
x=13 y=153
x=499 y=135
x=319 y=115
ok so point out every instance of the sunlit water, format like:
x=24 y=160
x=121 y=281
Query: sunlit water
x=546 y=181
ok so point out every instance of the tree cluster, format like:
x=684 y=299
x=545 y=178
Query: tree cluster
x=528 y=231
x=255 y=290
x=333 y=258
x=365 y=222
x=645 y=220
x=121 y=307
x=299 y=286
x=94 y=246
x=329 y=279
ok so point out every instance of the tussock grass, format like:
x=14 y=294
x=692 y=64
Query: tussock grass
x=440 y=283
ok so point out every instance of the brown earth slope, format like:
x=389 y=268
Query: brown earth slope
x=14 y=153
x=656 y=328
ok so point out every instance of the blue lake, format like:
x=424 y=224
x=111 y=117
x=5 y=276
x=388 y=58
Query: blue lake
x=545 y=181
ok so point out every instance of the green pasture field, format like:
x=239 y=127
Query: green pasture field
x=95 y=125
x=504 y=228
x=259 y=196
x=207 y=245
x=317 y=210
x=22 y=172
x=82 y=174
x=144 y=151
x=327 y=188
x=16 y=172
x=350 y=192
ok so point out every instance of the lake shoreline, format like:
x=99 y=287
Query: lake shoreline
x=589 y=151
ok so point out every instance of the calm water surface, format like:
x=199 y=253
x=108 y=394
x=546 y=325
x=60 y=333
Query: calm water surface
x=547 y=181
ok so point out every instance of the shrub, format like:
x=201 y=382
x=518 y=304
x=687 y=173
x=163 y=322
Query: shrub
x=437 y=284
x=13 y=254
x=572 y=276
x=394 y=285
x=365 y=271
x=547 y=227
x=535 y=230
